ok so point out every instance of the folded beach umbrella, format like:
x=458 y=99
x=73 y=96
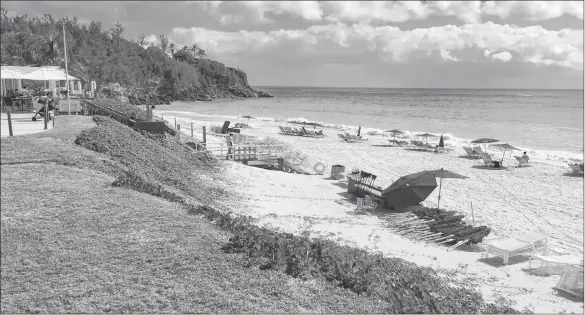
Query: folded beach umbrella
x=426 y=136
x=442 y=173
x=506 y=147
x=441 y=142
x=485 y=141
x=410 y=190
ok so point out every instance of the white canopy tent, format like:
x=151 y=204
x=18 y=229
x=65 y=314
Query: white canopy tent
x=12 y=77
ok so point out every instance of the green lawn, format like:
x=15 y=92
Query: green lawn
x=72 y=243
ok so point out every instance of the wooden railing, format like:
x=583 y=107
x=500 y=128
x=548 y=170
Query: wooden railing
x=91 y=108
x=245 y=152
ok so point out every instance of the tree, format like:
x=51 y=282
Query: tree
x=172 y=49
x=164 y=43
x=50 y=52
x=142 y=41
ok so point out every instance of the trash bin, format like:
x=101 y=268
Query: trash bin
x=178 y=127
x=336 y=171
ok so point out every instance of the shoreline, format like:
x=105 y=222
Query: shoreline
x=542 y=154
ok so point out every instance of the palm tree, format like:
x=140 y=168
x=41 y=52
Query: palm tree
x=51 y=52
x=172 y=49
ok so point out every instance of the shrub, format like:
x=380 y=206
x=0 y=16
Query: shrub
x=159 y=162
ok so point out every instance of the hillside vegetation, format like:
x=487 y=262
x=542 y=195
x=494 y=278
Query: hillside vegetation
x=135 y=70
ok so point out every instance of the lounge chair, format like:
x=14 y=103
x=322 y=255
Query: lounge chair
x=522 y=162
x=487 y=160
x=571 y=281
x=293 y=132
x=363 y=205
x=353 y=138
x=523 y=244
x=472 y=154
x=555 y=260
x=397 y=143
x=479 y=151
x=576 y=169
x=310 y=133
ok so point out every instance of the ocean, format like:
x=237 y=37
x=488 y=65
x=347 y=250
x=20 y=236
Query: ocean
x=548 y=121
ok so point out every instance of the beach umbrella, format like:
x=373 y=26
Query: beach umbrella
x=442 y=173
x=441 y=143
x=410 y=190
x=485 y=141
x=395 y=132
x=426 y=136
x=506 y=147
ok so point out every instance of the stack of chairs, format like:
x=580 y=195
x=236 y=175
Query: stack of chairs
x=300 y=132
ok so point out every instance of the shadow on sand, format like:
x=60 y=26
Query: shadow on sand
x=570 y=174
x=495 y=261
x=467 y=157
x=485 y=167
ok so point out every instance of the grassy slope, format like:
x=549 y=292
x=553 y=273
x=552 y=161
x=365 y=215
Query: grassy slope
x=71 y=243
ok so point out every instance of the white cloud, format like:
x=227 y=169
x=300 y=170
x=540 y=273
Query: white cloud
x=503 y=56
x=255 y=11
x=534 y=10
x=390 y=11
x=532 y=44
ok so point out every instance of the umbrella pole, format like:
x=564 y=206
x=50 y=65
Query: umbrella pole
x=502 y=161
x=440 y=185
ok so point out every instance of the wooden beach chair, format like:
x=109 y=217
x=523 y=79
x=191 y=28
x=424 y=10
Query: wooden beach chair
x=527 y=243
x=362 y=205
x=522 y=162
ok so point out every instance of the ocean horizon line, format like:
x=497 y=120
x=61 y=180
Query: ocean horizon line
x=408 y=88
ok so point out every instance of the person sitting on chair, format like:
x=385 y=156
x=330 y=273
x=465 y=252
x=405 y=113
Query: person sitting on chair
x=525 y=157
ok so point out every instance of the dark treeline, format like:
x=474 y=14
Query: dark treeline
x=142 y=72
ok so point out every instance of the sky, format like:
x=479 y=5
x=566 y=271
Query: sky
x=390 y=44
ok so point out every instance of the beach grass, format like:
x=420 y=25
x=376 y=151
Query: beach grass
x=71 y=243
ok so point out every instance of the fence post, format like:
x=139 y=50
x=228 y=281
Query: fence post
x=46 y=114
x=9 y=122
x=204 y=134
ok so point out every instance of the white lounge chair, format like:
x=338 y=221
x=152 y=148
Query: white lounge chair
x=471 y=153
x=521 y=161
x=487 y=160
x=523 y=244
x=556 y=260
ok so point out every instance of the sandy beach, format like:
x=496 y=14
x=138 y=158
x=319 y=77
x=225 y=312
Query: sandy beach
x=511 y=201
